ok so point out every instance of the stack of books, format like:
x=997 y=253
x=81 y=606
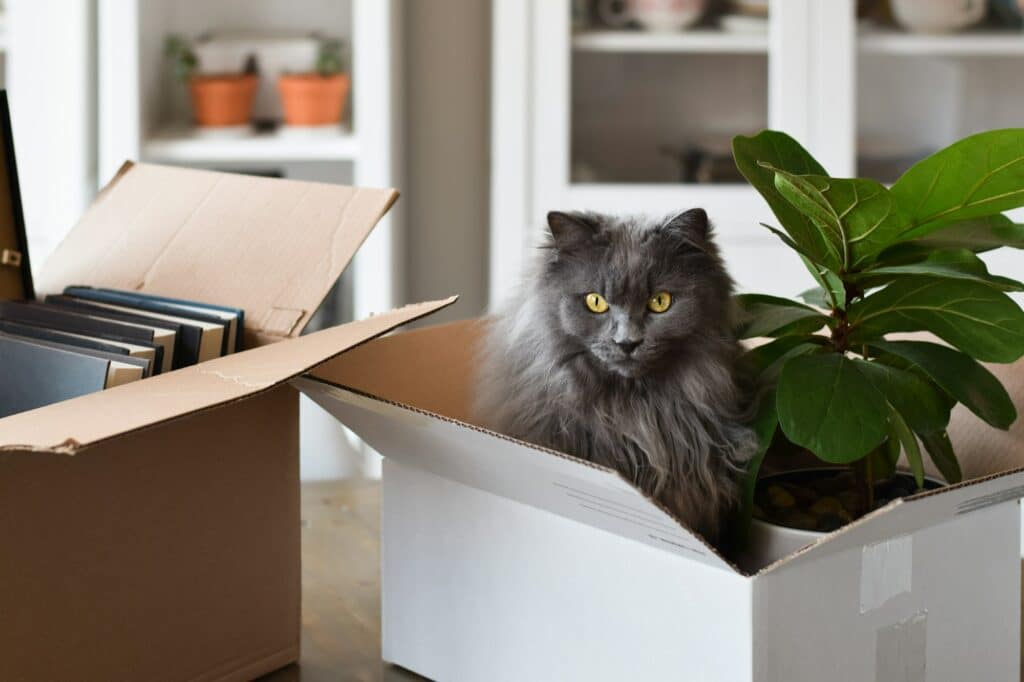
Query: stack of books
x=89 y=339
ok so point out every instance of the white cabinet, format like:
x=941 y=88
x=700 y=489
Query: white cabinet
x=143 y=113
x=625 y=120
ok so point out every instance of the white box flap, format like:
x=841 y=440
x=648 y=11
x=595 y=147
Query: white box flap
x=541 y=478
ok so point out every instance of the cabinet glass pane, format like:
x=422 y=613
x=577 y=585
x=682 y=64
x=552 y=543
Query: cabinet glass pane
x=658 y=106
x=919 y=91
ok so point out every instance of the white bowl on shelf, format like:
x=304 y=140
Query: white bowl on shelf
x=666 y=16
x=937 y=16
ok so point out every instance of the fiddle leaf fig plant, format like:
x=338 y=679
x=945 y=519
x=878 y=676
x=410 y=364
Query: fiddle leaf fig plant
x=886 y=260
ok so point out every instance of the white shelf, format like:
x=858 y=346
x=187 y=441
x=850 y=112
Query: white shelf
x=706 y=41
x=188 y=145
x=969 y=44
x=736 y=209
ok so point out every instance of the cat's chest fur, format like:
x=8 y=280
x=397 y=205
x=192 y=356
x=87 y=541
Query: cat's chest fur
x=655 y=427
x=663 y=433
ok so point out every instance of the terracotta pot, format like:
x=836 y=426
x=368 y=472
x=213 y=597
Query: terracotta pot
x=310 y=99
x=223 y=99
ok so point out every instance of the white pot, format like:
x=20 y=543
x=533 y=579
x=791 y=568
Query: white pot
x=767 y=543
x=937 y=16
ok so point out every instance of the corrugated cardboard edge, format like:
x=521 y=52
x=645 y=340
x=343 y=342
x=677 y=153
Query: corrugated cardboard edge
x=239 y=374
x=541 y=449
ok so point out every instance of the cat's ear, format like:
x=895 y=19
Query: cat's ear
x=570 y=230
x=691 y=227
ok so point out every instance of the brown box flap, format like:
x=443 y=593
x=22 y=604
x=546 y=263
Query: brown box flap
x=15 y=271
x=71 y=425
x=272 y=247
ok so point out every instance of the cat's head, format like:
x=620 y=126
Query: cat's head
x=636 y=293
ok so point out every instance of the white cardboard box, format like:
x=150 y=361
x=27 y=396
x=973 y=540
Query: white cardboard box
x=504 y=561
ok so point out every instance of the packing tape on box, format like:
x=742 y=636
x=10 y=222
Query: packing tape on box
x=885 y=571
x=900 y=650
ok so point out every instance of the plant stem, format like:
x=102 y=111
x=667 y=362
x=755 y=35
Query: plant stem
x=870 y=485
x=865 y=486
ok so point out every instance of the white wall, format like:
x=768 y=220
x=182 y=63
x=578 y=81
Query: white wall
x=447 y=71
x=51 y=83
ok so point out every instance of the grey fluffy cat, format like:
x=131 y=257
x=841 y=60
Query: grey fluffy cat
x=619 y=349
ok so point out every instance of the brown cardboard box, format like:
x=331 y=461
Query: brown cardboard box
x=151 y=531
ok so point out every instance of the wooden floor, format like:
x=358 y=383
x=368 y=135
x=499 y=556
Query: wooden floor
x=341 y=587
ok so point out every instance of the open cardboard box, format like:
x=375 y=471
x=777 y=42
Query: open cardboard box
x=151 y=531
x=505 y=561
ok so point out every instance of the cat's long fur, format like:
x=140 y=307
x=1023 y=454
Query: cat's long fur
x=673 y=427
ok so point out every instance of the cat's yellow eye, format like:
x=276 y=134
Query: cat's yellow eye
x=660 y=302
x=596 y=303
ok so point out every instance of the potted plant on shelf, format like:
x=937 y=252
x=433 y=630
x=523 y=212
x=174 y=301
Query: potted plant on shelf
x=219 y=101
x=835 y=386
x=316 y=98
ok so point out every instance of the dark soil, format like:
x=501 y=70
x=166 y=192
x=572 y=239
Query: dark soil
x=824 y=499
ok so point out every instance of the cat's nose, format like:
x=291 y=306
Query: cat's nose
x=628 y=346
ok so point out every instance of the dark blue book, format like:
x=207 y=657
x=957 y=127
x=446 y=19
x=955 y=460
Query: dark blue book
x=139 y=351
x=36 y=373
x=82 y=322
x=197 y=340
x=145 y=305
x=186 y=337
x=235 y=317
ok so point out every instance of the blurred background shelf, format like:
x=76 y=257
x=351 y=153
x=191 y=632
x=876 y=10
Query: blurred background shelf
x=627 y=115
x=182 y=145
x=968 y=44
x=708 y=41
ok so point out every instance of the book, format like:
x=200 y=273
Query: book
x=199 y=340
x=34 y=373
x=146 y=353
x=80 y=322
x=235 y=317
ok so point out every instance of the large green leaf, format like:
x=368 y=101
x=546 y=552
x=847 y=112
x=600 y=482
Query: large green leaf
x=780 y=151
x=977 y=176
x=829 y=407
x=964 y=379
x=979 y=320
x=858 y=216
x=762 y=315
x=952 y=263
x=977 y=234
x=940 y=449
x=923 y=406
x=901 y=431
x=765 y=361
